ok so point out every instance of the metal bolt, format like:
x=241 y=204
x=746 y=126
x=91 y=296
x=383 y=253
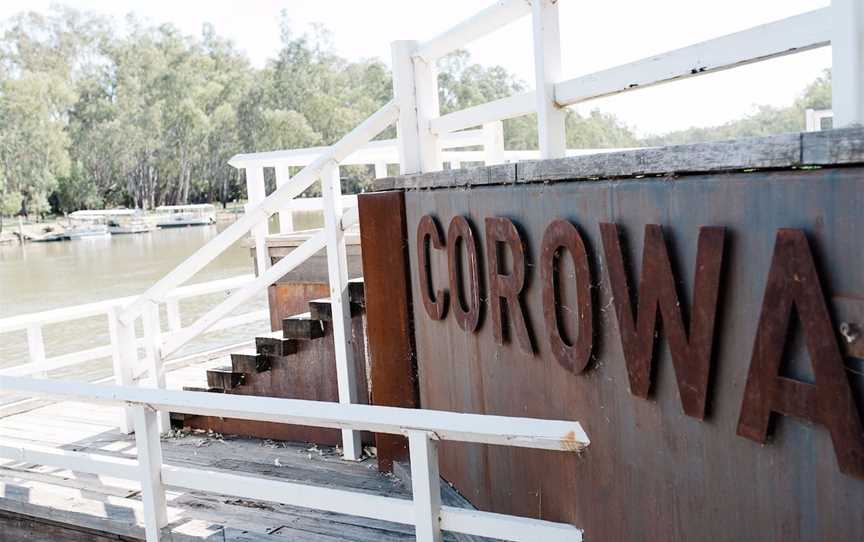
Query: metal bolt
x=849 y=332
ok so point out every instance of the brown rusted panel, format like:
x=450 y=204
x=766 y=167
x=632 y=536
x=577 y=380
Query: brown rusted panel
x=561 y=234
x=505 y=287
x=793 y=283
x=429 y=236
x=290 y=298
x=651 y=472
x=308 y=373
x=691 y=349
x=389 y=324
x=461 y=240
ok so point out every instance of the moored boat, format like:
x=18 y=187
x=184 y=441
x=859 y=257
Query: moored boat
x=181 y=216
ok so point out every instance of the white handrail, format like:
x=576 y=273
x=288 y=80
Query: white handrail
x=779 y=38
x=359 y=136
x=424 y=429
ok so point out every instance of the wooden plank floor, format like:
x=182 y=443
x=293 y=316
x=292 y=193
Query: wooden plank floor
x=45 y=503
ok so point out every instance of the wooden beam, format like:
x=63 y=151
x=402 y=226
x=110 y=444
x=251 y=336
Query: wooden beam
x=389 y=329
x=847 y=66
x=788 y=36
x=547 y=72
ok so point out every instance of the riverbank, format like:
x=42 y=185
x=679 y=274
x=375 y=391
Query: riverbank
x=35 y=230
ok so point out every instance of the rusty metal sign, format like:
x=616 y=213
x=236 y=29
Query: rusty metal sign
x=684 y=322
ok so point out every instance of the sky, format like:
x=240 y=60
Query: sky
x=595 y=34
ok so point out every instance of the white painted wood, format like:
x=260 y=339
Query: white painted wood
x=489 y=20
x=36 y=347
x=521 y=432
x=547 y=72
x=405 y=95
x=380 y=169
x=493 y=145
x=86 y=310
x=788 y=36
x=337 y=269
x=242 y=296
x=172 y=312
x=500 y=526
x=255 y=189
x=425 y=486
x=847 y=62
x=354 y=139
x=153 y=356
x=380 y=150
x=317 y=204
x=305 y=496
x=286 y=217
x=103 y=465
x=149 y=449
x=123 y=355
x=428 y=108
x=504 y=108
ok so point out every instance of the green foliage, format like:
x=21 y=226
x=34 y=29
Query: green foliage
x=95 y=116
x=764 y=121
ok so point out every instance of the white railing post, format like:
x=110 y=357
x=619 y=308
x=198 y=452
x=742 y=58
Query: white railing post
x=153 y=356
x=415 y=88
x=286 y=216
x=149 y=448
x=256 y=191
x=425 y=486
x=172 y=311
x=547 y=72
x=380 y=170
x=337 y=267
x=493 y=144
x=123 y=355
x=847 y=68
x=36 y=347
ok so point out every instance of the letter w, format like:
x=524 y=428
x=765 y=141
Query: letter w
x=690 y=349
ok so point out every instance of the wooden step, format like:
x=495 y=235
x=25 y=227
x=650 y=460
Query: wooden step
x=250 y=361
x=322 y=309
x=224 y=378
x=302 y=327
x=356 y=291
x=275 y=346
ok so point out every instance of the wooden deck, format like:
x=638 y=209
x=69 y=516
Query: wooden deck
x=42 y=503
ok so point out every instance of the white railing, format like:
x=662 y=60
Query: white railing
x=425 y=141
x=424 y=429
x=34 y=323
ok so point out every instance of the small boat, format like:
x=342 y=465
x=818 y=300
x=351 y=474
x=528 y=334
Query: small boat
x=181 y=216
x=118 y=221
x=86 y=225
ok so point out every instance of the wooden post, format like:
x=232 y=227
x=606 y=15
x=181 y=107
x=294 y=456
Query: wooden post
x=425 y=486
x=172 y=311
x=415 y=87
x=256 y=192
x=123 y=355
x=286 y=216
x=36 y=347
x=493 y=144
x=389 y=329
x=847 y=54
x=153 y=353
x=337 y=267
x=150 y=463
x=380 y=170
x=547 y=71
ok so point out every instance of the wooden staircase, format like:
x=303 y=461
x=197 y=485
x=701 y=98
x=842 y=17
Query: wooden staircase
x=297 y=362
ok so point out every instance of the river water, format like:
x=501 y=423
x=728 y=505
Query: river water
x=41 y=276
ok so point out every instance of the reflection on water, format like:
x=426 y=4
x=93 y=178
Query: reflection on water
x=41 y=276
